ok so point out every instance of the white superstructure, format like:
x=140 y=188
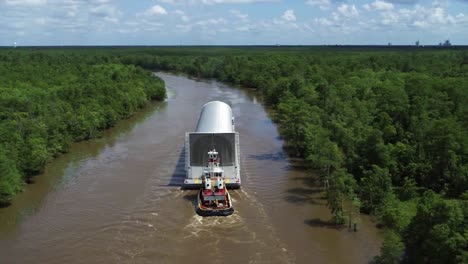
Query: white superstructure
x=215 y=130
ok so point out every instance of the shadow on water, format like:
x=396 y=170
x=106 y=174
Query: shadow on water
x=317 y=222
x=302 y=196
x=192 y=197
x=178 y=176
x=309 y=192
x=310 y=181
x=297 y=165
x=278 y=156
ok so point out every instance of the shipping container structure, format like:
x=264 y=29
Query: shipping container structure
x=215 y=131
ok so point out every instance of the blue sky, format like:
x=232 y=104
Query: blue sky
x=232 y=22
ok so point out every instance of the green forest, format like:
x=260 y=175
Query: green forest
x=385 y=128
x=50 y=99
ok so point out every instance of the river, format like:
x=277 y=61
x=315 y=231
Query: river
x=117 y=199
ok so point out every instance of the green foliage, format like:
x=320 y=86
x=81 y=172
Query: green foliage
x=10 y=179
x=375 y=187
x=392 y=249
x=50 y=99
x=294 y=115
x=386 y=118
x=323 y=154
x=403 y=110
x=395 y=214
x=341 y=184
x=464 y=196
x=389 y=119
x=409 y=189
x=437 y=233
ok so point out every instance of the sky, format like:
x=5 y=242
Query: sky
x=232 y=22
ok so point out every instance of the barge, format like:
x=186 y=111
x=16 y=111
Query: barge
x=215 y=131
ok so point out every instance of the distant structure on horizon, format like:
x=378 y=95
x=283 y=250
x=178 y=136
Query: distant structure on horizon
x=389 y=44
x=446 y=43
x=416 y=43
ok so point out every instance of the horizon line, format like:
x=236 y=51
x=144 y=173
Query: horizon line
x=242 y=45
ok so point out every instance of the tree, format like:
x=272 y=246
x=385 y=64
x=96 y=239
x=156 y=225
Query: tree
x=392 y=249
x=341 y=185
x=375 y=186
x=322 y=153
x=294 y=115
x=408 y=190
x=389 y=213
x=445 y=146
x=10 y=179
x=437 y=234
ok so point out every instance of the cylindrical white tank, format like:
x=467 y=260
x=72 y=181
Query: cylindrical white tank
x=214 y=131
x=215 y=117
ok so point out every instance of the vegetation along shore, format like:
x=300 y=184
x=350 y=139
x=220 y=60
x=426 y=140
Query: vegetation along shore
x=385 y=127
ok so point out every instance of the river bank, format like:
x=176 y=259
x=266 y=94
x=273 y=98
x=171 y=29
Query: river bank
x=118 y=198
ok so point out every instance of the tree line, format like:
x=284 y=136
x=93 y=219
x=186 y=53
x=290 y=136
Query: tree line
x=385 y=128
x=49 y=99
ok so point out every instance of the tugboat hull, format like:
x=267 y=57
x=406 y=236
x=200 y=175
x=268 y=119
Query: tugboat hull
x=203 y=210
x=214 y=212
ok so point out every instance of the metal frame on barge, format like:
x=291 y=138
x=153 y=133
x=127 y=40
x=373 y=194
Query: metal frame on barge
x=215 y=130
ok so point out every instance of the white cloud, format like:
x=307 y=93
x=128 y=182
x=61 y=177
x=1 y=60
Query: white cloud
x=287 y=20
x=107 y=12
x=155 y=11
x=184 y=28
x=214 y=2
x=92 y=1
x=405 y=2
x=60 y=15
x=234 y=1
x=244 y=28
x=238 y=14
x=379 y=5
x=431 y=17
x=41 y=21
x=289 y=16
x=421 y=24
x=334 y=20
x=389 y=20
x=182 y=15
x=348 y=10
x=461 y=17
x=322 y=4
x=25 y=2
x=345 y=20
x=151 y=19
x=211 y=22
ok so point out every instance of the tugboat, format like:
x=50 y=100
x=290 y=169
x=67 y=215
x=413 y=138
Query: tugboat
x=213 y=198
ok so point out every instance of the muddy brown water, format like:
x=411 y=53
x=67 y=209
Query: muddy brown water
x=117 y=199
